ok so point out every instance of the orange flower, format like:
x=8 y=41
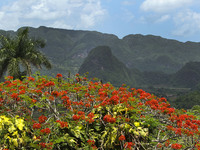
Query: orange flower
x=59 y=75
x=128 y=145
x=176 y=146
x=46 y=130
x=75 y=117
x=122 y=138
x=42 y=119
x=36 y=126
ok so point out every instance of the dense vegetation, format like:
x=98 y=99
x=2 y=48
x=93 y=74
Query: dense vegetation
x=101 y=63
x=42 y=112
x=52 y=113
x=67 y=49
x=21 y=52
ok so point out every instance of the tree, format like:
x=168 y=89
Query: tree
x=18 y=53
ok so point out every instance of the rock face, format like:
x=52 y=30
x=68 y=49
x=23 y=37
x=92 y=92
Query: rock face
x=101 y=63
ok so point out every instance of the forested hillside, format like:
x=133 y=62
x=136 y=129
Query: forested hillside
x=67 y=49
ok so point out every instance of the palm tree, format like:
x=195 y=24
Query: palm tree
x=17 y=54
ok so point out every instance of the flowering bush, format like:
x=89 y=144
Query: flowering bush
x=13 y=131
x=50 y=113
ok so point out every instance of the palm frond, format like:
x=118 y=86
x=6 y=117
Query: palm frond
x=14 y=68
x=3 y=66
x=27 y=66
x=21 y=50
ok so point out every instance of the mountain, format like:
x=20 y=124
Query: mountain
x=154 y=53
x=101 y=63
x=188 y=100
x=67 y=49
x=188 y=76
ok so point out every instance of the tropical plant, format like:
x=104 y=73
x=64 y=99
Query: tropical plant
x=54 y=113
x=18 y=53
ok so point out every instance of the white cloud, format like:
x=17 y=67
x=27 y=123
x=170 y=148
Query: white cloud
x=128 y=16
x=89 y=19
x=187 y=23
x=63 y=13
x=161 y=6
x=61 y=24
x=155 y=18
x=163 y=18
x=128 y=2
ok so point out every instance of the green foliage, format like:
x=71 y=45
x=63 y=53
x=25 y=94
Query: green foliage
x=68 y=49
x=53 y=113
x=103 y=65
x=21 y=52
x=188 y=76
x=188 y=100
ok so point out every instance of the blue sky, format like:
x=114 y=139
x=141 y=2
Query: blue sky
x=172 y=19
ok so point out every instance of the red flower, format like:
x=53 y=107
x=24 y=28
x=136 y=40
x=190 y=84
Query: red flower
x=14 y=95
x=33 y=100
x=55 y=93
x=159 y=145
x=31 y=79
x=46 y=130
x=109 y=118
x=43 y=145
x=9 y=77
x=36 y=126
x=113 y=120
x=22 y=92
x=87 y=105
x=42 y=119
x=90 y=115
x=178 y=131
x=128 y=145
x=122 y=138
x=59 y=75
x=62 y=124
x=75 y=117
x=167 y=143
x=50 y=83
x=91 y=142
x=176 y=146
x=81 y=113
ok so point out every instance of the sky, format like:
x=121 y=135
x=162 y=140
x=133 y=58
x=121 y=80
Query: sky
x=172 y=19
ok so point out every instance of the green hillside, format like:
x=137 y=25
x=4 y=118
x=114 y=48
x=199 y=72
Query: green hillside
x=188 y=76
x=67 y=49
x=101 y=63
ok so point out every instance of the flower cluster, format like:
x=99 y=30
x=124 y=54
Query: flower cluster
x=109 y=119
x=68 y=113
x=62 y=124
x=45 y=131
x=15 y=129
x=42 y=119
x=36 y=126
x=176 y=146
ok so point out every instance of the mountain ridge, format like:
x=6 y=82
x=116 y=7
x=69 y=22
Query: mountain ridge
x=67 y=49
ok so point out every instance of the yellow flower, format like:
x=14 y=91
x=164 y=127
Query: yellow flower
x=15 y=142
x=7 y=137
x=21 y=140
x=11 y=128
x=15 y=133
x=127 y=126
x=137 y=124
x=136 y=133
x=19 y=123
x=5 y=120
